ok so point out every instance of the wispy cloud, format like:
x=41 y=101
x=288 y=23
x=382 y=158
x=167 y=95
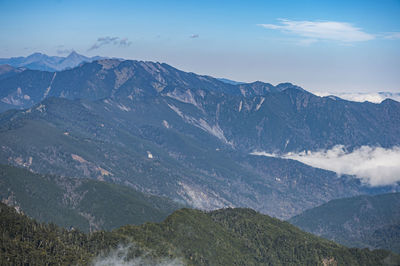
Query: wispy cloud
x=194 y=36
x=321 y=31
x=392 y=36
x=124 y=42
x=375 y=97
x=64 y=51
x=373 y=165
x=102 y=41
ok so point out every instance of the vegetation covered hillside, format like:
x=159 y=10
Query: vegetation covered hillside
x=190 y=237
x=84 y=204
x=363 y=221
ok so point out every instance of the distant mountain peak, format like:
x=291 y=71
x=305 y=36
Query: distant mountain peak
x=36 y=56
x=74 y=54
x=40 y=61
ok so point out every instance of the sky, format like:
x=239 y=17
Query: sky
x=337 y=46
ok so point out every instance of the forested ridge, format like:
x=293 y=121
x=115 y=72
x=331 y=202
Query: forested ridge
x=223 y=237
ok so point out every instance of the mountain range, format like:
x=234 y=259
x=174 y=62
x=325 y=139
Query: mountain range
x=300 y=119
x=97 y=144
x=39 y=61
x=187 y=137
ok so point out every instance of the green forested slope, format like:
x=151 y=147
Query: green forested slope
x=223 y=237
x=363 y=221
x=81 y=203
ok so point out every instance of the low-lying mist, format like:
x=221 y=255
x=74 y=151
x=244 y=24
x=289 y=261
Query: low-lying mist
x=373 y=97
x=375 y=166
x=122 y=256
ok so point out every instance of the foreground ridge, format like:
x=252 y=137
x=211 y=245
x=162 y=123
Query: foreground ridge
x=190 y=237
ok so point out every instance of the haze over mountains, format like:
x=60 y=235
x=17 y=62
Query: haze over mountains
x=39 y=61
x=373 y=97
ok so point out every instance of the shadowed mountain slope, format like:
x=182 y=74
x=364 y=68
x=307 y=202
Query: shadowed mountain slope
x=363 y=221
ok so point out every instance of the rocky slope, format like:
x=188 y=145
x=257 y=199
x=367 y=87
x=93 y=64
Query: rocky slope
x=159 y=154
x=185 y=136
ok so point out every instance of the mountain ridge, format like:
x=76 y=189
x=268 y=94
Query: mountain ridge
x=118 y=78
x=40 y=61
x=362 y=221
x=189 y=237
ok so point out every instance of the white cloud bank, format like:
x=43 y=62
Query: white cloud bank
x=375 y=97
x=322 y=30
x=373 y=165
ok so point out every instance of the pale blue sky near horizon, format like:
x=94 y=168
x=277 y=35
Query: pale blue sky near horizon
x=341 y=46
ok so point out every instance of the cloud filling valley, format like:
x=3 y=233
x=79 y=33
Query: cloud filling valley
x=375 y=166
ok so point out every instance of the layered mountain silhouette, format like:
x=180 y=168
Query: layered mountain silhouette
x=39 y=61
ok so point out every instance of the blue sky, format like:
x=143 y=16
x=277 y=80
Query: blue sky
x=341 y=46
